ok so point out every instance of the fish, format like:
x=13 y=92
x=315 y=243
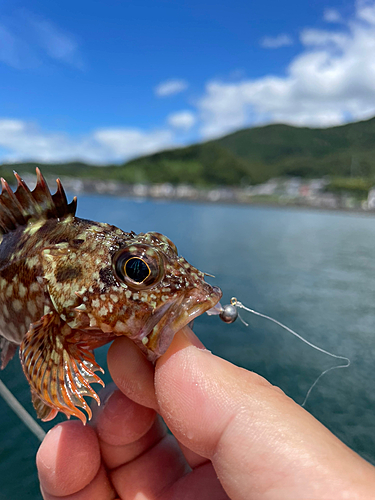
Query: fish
x=69 y=285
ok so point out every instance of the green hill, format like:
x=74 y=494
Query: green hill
x=308 y=152
x=257 y=154
x=250 y=155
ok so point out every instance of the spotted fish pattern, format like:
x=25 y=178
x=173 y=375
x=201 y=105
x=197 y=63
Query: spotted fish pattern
x=69 y=285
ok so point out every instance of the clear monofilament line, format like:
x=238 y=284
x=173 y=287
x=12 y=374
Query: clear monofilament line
x=20 y=411
x=239 y=304
x=322 y=374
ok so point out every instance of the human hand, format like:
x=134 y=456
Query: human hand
x=236 y=436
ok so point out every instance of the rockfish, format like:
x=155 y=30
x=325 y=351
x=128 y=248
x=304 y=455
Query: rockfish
x=69 y=285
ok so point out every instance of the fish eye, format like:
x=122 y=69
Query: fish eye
x=137 y=269
x=138 y=266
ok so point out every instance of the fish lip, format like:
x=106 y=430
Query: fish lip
x=155 y=318
x=200 y=306
x=179 y=314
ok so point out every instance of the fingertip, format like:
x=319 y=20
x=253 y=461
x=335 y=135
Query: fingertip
x=121 y=421
x=68 y=458
x=100 y=488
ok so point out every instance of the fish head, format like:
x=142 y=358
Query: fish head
x=153 y=293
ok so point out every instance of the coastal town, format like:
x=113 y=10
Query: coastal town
x=294 y=191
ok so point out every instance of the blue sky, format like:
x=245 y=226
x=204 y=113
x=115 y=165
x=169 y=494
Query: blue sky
x=108 y=81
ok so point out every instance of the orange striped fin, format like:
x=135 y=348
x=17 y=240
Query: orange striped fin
x=59 y=370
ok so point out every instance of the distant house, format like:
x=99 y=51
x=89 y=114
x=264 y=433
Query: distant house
x=371 y=199
x=304 y=190
x=292 y=187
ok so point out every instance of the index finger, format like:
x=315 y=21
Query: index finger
x=261 y=443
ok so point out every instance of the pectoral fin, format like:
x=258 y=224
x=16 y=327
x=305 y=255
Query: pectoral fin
x=58 y=369
x=44 y=412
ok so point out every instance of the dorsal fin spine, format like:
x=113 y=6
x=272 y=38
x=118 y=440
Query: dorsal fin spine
x=10 y=200
x=19 y=207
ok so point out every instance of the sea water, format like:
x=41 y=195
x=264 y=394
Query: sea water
x=312 y=270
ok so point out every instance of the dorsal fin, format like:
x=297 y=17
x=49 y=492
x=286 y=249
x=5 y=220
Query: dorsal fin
x=17 y=208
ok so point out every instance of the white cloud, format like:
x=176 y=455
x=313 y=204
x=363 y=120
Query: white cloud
x=26 y=41
x=330 y=82
x=129 y=143
x=170 y=87
x=366 y=11
x=275 y=42
x=323 y=38
x=332 y=16
x=183 y=120
x=25 y=141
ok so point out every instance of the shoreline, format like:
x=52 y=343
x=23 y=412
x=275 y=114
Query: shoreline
x=255 y=204
x=247 y=196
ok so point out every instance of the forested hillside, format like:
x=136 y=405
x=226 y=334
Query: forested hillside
x=248 y=156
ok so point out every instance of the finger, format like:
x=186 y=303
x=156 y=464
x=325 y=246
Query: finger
x=122 y=421
x=258 y=439
x=131 y=372
x=151 y=473
x=192 y=458
x=141 y=457
x=125 y=429
x=184 y=338
x=115 y=456
x=201 y=484
x=100 y=488
x=68 y=460
x=150 y=463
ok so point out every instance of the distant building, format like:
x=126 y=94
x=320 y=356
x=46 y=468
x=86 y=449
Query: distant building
x=140 y=190
x=292 y=187
x=371 y=199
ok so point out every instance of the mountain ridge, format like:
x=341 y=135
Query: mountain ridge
x=247 y=156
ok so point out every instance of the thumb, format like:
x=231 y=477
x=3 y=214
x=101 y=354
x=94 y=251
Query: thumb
x=261 y=443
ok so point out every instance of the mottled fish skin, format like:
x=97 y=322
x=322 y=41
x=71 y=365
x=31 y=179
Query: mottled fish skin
x=69 y=285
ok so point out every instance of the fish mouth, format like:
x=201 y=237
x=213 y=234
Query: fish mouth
x=168 y=319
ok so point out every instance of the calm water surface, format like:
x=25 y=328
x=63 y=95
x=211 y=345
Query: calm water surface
x=314 y=271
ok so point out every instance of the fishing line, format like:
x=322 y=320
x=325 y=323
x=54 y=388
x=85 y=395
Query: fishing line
x=20 y=411
x=229 y=314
